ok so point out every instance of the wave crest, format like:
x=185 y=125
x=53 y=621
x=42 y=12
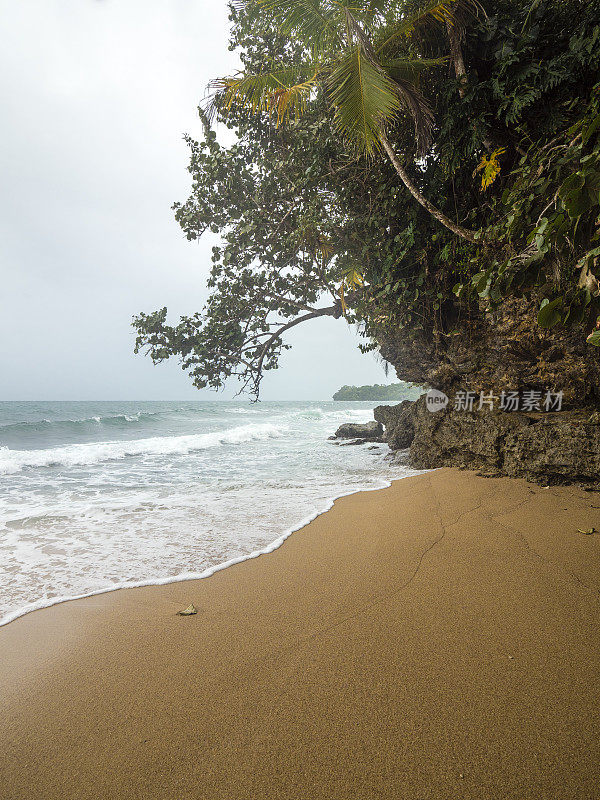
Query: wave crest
x=114 y=420
x=12 y=461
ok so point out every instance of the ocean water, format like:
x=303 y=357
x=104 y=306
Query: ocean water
x=100 y=495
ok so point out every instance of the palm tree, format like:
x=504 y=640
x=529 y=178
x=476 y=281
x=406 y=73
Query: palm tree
x=358 y=53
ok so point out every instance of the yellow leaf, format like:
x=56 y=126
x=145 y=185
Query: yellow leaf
x=489 y=166
x=289 y=100
x=352 y=279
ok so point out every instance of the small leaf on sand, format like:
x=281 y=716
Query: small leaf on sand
x=187 y=612
x=588 y=531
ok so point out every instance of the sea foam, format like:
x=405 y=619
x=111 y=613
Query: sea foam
x=321 y=508
x=158 y=492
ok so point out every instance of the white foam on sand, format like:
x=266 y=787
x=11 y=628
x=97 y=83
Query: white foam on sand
x=206 y=573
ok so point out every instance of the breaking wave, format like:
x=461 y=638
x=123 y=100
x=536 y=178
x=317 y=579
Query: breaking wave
x=95 y=452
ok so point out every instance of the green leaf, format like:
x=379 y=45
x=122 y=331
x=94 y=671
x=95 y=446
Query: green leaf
x=577 y=203
x=594 y=338
x=590 y=129
x=592 y=185
x=573 y=182
x=549 y=313
x=481 y=282
x=364 y=97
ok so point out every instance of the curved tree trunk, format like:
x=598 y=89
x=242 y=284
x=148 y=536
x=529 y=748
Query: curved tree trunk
x=435 y=212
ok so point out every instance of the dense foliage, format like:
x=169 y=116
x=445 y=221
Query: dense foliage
x=303 y=216
x=379 y=391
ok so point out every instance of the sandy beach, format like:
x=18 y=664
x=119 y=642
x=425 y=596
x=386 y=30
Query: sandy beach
x=436 y=639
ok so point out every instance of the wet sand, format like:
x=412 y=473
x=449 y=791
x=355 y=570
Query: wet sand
x=436 y=639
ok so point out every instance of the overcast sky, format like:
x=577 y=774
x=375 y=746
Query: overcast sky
x=95 y=97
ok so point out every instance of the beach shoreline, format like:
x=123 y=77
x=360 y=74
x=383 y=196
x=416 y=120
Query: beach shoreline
x=437 y=638
x=206 y=573
x=101 y=496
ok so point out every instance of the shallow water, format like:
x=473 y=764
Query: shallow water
x=94 y=496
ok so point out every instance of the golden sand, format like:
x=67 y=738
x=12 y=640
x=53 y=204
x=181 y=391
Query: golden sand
x=437 y=639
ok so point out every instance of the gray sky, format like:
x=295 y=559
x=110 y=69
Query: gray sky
x=95 y=97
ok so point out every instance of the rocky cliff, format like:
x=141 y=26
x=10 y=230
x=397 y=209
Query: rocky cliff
x=504 y=351
x=501 y=350
x=547 y=448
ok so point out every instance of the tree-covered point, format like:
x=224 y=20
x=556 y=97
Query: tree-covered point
x=362 y=130
x=378 y=391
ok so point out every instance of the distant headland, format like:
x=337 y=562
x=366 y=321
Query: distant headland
x=393 y=391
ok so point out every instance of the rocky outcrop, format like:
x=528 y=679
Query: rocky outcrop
x=398 y=422
x=369 y=431
x=495 y=350
x=554 y=447
x=500 y=349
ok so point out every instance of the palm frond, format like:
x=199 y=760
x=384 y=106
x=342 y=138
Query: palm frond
x=433 y=11
x=406 y=73
x=316 y=22
x=290 y=100
x=356 y=33
x=364 y=98
x=410 y=69
x=283 y=91
x=420 y=111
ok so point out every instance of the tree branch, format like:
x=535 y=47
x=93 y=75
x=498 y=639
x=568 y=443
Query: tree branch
x=291 y=302
x=329 y=311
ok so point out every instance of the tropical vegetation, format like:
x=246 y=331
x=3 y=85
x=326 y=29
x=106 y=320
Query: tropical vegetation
x=379 y=391
x=403 y=165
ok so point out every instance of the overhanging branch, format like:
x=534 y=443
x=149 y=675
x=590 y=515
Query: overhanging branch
x=328 y=311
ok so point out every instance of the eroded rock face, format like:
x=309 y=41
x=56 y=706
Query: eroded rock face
x=351 y=430
x=556 y=447
x=501 y=350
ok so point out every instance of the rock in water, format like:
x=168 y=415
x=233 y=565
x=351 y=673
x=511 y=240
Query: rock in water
x=399 y=423
x=351 y=430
